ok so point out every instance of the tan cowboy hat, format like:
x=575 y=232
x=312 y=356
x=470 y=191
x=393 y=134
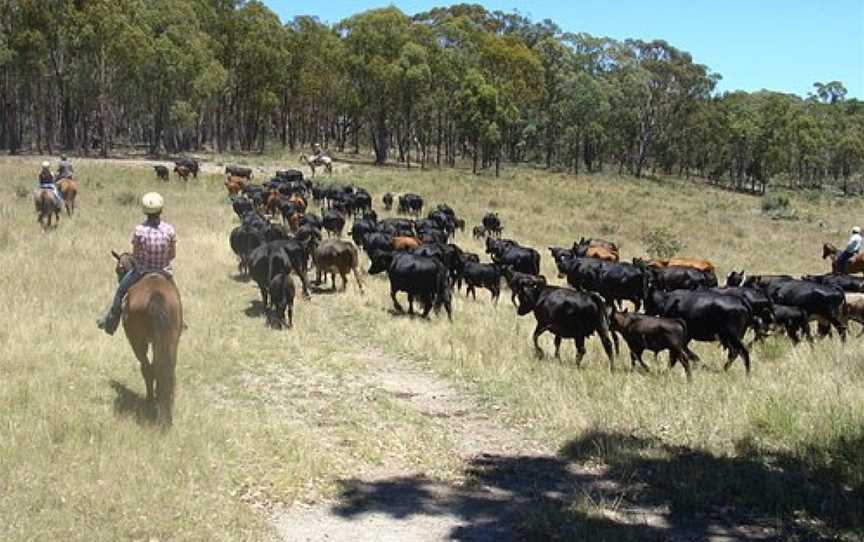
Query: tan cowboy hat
x=856 y=229
x=46 y=164
x=152 y=203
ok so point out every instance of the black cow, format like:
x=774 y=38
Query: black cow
x=388 y=201
x=239 y=171
x=242 y=206
x=761 y=307
x=568 y=314
x=361 y=229
x=482 y=275
x=819 y=300
x=418 y=276
x=709 y=316
x=377 y=242
x=397 y=227
x=281 y=298
x=616 y=282
x=492 y=224
x=505 y=252
x=333 y=222
x=275 y=257
x=679 y=278
x=245 y=239
x=410 y=204
x=847 y=283
x=161 y=172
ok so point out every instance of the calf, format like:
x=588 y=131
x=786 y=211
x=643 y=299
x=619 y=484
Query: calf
x=388 y=201
x=161 y=172
x=492 y=224
x=281 y=298
x=335 y=256
x=792 y=320
x=482 y=275
x=653 y=333
x=479 y=232
x=234 y=184
x=568 y=314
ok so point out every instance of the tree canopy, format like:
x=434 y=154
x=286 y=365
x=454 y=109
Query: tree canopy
x=451 y=84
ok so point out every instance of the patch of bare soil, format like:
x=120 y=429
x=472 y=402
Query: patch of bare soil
x=513 y=487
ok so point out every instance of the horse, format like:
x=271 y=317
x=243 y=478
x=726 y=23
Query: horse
x=46 y=205
x=321 y=161
x=853 y=265
x=153 y=315
x=69 y=188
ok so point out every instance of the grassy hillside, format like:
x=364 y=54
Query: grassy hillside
x=265 y=418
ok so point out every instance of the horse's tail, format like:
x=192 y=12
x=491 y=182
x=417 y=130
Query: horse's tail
x=165 y=339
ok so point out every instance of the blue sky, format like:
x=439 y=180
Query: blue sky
x=773 y=44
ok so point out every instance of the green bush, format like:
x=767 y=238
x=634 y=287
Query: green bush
x=661 y=243
x=775 y=202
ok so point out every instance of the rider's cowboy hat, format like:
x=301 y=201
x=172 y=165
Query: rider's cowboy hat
x=152 y=203
x=46 y=164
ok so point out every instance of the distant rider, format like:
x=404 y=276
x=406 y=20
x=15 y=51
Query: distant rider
x=853 y=247
x=64 y=168
x=154 y=245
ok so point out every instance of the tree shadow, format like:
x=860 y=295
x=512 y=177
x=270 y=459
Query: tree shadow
x=810 y=496
x=130 y=404
x=638 y=489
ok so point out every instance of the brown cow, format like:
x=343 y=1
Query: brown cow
x=234 y=184
x=182 y=172
x=602 y=253
x=335 y=256
x=700 y=265
x=299 y=202
x=405 y=243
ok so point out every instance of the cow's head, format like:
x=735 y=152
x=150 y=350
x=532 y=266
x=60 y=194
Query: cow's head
x=381 y=261
x=528 y=298
x=735 y=279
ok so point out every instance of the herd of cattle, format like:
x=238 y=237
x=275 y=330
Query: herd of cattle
x=681 y=298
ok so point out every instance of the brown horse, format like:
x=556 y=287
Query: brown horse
x=853 y=265
x=153 y=315
x=46 y=205
x=69 y=189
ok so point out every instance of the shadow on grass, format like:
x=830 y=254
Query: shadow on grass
x=648 y=490
x=241 y=277
x=255 y=309
x=131 y=404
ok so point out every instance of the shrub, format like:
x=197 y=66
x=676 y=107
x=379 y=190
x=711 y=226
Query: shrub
x=775 y=202
x=778 y=207
x=661 y=243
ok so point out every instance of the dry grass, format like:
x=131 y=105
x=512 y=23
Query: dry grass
x=267 y=418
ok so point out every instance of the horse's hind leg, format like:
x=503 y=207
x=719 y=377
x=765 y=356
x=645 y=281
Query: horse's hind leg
x=140 y=347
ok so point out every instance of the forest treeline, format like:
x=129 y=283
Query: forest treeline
x=454 y=83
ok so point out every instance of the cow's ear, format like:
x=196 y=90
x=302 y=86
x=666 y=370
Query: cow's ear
x=116 y=256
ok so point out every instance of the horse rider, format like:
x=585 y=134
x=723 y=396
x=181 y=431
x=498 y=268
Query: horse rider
x=46 y=181
x=154 y=245
x=64 y=168
x=852 y=248
x=318 y=153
